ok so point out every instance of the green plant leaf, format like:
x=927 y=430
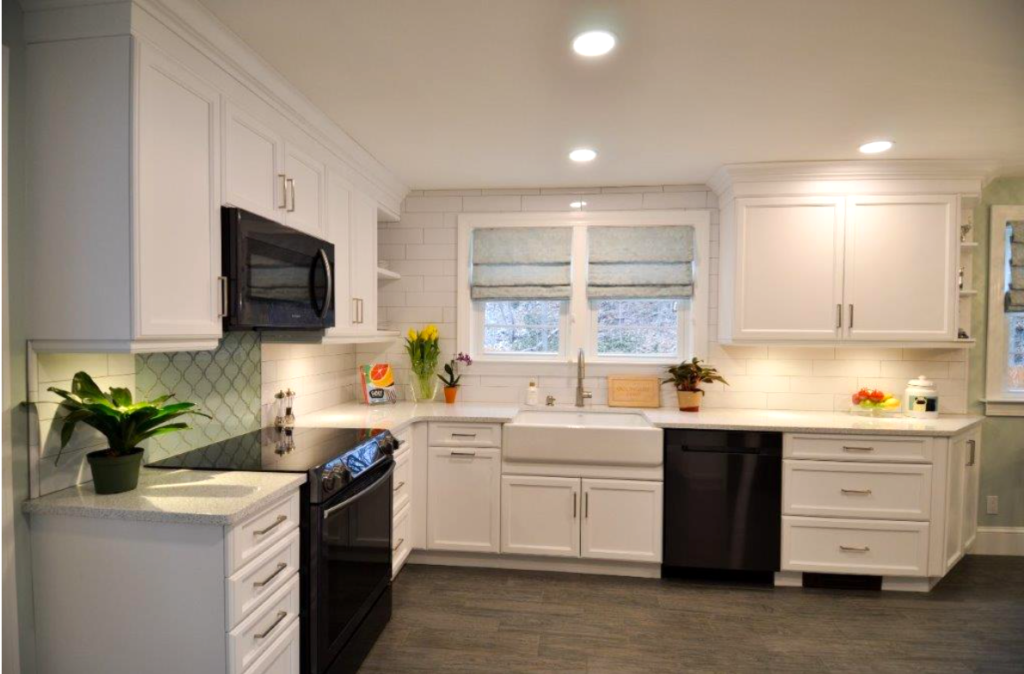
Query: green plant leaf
x=122 y=397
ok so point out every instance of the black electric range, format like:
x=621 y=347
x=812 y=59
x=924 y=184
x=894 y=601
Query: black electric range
x=345 y=528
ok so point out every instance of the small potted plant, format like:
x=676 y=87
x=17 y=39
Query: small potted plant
x=687 y=378
x=451 y=376
x=124 y=423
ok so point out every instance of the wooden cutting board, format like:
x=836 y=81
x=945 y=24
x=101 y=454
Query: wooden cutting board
x=634 y=391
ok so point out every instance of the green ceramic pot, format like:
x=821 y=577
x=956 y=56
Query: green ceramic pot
x=115 y=474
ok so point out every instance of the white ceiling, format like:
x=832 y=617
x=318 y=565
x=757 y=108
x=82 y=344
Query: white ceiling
x=487 y=93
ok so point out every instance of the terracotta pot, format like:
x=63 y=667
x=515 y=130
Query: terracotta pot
x=689 y=401
x=450 y=392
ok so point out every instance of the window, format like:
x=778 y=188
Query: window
x=1004 y=388
x=565 y=314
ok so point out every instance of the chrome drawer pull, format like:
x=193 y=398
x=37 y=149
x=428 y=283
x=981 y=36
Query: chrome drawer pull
x=281 y=615
x=856 y=491
x=399 y=486
x=277 y=522
x=463 y=435
x=398 y=545
x=263 y=583
x=849 y=548
x=463 y=453
x=849 y=448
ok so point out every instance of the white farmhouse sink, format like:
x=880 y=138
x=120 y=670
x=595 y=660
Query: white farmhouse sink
x=597 y=438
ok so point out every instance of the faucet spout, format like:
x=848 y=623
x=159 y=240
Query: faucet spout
x=581 y=372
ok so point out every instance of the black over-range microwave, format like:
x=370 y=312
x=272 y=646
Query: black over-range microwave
x=278 y=278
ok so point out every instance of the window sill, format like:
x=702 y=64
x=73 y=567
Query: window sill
x=1004 y=407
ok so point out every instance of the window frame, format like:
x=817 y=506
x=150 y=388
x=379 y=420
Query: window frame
x=577 y=329
x=999 y=401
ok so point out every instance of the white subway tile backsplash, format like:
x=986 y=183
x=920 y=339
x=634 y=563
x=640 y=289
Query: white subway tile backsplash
x=911 y=368
x=427 y=204
x=846 y=368
x=492 y=203
x=821 y=402
x=614 y=202
x=796 y=368
x=664 y=200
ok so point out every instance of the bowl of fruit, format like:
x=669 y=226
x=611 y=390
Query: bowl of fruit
x=875 y=402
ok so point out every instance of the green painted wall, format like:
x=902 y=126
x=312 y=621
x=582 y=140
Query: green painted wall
x=1002 y=469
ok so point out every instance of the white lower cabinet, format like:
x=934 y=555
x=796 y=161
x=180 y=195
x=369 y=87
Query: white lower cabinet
x=540 y=515
x=282 y=656
x=870 y=547
x=401 y=539
x=463 y=499
x=622 y=520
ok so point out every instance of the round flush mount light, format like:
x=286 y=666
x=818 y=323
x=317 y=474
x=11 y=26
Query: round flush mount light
x=577 y=204
x=594 y=43
x=876 y=146
x=582 y=154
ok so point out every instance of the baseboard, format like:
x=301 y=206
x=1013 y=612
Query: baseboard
x=999 y=541
x=527 y=563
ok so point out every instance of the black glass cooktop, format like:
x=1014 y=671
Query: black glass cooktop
x=303 y=450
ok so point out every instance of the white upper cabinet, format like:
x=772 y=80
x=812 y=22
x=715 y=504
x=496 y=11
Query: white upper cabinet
x=253 y=165
x=177 y=228
x=901 y=257
x=304 y=191
x=789 y=268
x=363 y=272
x=339 y=232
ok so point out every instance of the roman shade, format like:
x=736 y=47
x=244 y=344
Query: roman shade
x=1015 y=294
x=640 y=262
x=522 y=263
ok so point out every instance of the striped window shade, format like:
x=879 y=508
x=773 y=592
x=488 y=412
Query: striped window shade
x=1015 y=293
x=522 y=263
x=640 y=262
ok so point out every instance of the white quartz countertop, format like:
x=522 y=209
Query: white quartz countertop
x=398 y=416
x=178 y=496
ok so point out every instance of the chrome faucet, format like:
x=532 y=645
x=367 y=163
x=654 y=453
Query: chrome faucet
x=581 y=372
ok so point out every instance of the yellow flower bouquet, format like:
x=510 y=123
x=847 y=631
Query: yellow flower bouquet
x=424 y=351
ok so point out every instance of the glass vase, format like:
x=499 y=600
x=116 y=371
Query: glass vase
x=424 y=385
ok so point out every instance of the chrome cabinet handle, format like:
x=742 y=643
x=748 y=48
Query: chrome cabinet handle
x=464 y=435
x=284 y=190
x=277 y=523
x=399 y=486
x=362 y=316
x=329 y=295
x=263 y=583
x=856 y=491
x=398 y=545
x=839 y=317
x=851 y=317
x=355 y=311
x=224 y=300
x=851 y=548
x=290 y=182
x=586 y=504
x=281 y=615
x=850 y=448
x=463 y=454
x=973 y=445
x=575 y=498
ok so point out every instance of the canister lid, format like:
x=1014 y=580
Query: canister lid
x=922 y=381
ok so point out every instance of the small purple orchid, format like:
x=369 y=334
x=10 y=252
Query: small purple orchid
x=451 y=374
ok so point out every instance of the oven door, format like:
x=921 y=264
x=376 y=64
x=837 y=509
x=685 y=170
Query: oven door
x=278 y=277
x=353 y=559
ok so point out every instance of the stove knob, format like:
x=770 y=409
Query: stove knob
x=333 y=479
x=388 y=445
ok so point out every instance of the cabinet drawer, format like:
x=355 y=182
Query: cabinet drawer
x=402 y=481
x=282 y=656
x=401 y=540
x=254 y=635
x=875 y=448
x=863 y=490
x=259 y=579
x=259 y=533
x=443 y=434
x=404 y=438
x=866 y=547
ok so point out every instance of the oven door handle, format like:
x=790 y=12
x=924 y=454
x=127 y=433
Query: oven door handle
x=349 y=501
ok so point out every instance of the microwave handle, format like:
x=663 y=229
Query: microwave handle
x=330 y=283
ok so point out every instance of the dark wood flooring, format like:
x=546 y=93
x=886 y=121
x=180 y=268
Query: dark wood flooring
x=479 y=620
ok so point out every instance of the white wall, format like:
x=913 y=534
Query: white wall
x=422 y=248
x=320 y=375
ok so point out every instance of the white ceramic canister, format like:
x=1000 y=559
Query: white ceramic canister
x=921 y=400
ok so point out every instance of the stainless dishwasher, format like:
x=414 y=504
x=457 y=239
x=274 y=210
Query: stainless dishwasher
x=723 y=500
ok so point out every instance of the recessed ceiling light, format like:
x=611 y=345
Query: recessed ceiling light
x=577 y=204
x=582 y=154
x=594 y=43
x=876 y=146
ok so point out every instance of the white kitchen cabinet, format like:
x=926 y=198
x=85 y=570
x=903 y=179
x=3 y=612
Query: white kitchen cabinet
x=972 y=479
x=363 y=270
x=901 y=268
x=463 y=499
x=955 y=475
x=788 y=269
x=253 y=165
x=540 y=516
x=339 y=231
x=304 y=190
x=622 y=520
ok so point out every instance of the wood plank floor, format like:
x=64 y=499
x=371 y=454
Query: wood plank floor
x=481 y=620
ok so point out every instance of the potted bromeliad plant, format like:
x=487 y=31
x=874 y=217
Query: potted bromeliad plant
x=423 y=350
x=451 y=376
x=124 y=423
x=687 y=378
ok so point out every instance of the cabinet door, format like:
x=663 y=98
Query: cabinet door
x=253 y=177
x=463 y=499
x=956 y=471
x=540 y=516
x=788 y=283
x=177 y=210
x=901 y=256
x=305 y=191
x=364 y=263
x=622 y=520
x=972 y=474
x=339 y=232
